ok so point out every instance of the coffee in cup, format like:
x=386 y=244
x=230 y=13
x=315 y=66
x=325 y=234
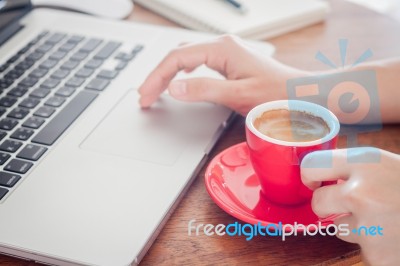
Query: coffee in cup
x=279 y=134
x=292 y=126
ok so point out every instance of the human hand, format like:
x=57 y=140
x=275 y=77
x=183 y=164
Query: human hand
x=370 y=193
x=251 y=79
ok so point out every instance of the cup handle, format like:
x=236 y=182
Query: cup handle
x=327 y=183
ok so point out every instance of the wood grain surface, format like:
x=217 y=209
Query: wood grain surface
x=364 y=29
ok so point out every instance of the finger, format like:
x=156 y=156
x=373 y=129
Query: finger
x=203 y=89
x=345 y=225
x=186 y=57
x=328 y=200
x=327 y=165
x=189 y=70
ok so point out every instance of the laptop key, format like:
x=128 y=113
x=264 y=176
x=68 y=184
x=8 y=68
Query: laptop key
x=8 y=124
x=38 y=73
x=48 y=64
x=90 y=45
x=8 y=179
x=2 y=111
x=44 y=111
x=94 y=63
x=44 y=48
x=31 y=152
x=58 y=55
x=107 y=50
x=7 y=101
x=14 y=74
x=24 y=50
x=69 y=65
x=29 y=81
x=75 y=39
x=18 y=166
x=18 y=113
x=40 y=93
x=75 y=82
x=79 y=56
x=107 y=74
x=24 y=65
x=29 y=103
x=66 y=47
x=42 y=34
x=55 y=38
x=33 y=122
x=55 y=101
x=84 y=72
x=13 y=59
x=3 y=159
x=54 y=129
x=18 y=91
x=34 y=41
x=137 y=49
x=125 y=56
x=65 y=91
x=3 y=192
x=60 y=74
x=10 y=145
x=35 y=55
x=22 y=133
x=121 y=65
x=50 y=83
x=2 y=135
x=98 y=84
x=5 y=83
x=4 y=67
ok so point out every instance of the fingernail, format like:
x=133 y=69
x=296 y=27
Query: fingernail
x=177 y=88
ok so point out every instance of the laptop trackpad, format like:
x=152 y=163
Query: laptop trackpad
x=157 y=135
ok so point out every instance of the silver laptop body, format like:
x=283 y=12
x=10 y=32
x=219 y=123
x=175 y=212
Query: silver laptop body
x=100 y=192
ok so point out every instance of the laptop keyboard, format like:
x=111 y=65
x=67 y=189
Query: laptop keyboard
x=43 y=90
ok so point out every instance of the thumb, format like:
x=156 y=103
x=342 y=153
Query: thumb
x=202 y=89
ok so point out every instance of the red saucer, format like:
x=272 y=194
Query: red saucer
x=232 y=184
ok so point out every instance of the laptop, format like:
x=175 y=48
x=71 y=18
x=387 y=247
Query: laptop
x=86 y=176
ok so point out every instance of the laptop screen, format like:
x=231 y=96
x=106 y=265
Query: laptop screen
x=11 y=10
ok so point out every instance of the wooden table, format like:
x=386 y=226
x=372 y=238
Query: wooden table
x=364 y=29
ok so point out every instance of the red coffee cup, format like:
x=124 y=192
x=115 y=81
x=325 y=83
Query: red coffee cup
x=277 y=162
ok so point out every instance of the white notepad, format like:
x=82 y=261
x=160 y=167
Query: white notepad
x=264 y=18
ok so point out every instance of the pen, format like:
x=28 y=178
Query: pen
x=237 y=5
